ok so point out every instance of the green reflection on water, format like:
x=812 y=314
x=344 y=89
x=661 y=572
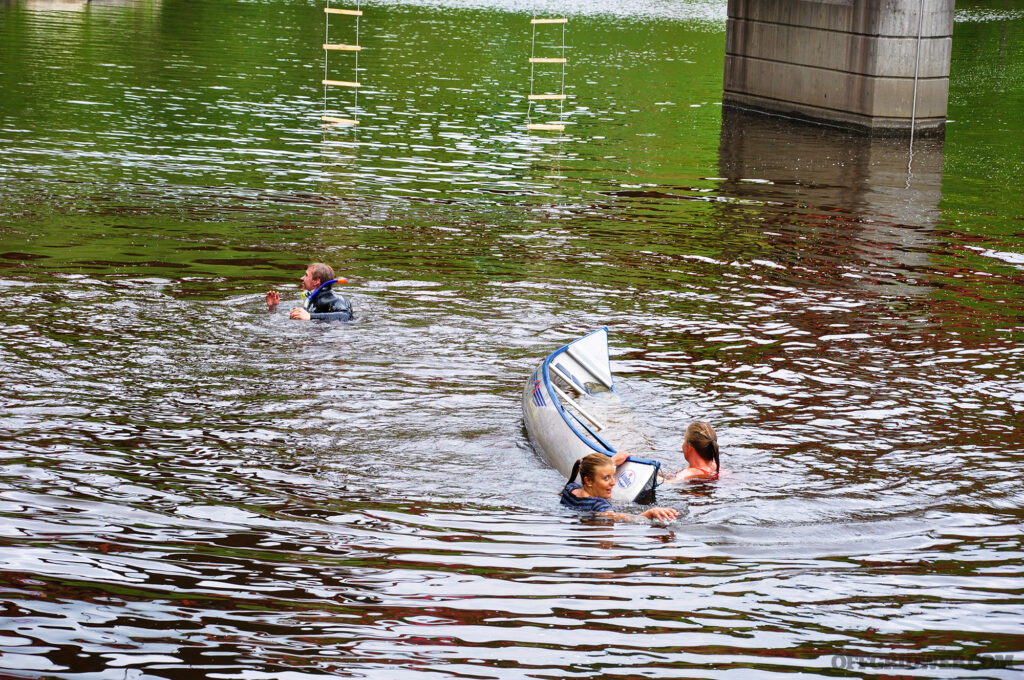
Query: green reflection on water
x=984 y=156
x=154 y=139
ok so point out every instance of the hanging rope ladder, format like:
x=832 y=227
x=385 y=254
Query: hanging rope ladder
x=559 y=96
x=335 y=47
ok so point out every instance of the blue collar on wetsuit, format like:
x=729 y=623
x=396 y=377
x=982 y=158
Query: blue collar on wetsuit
x=309 y=297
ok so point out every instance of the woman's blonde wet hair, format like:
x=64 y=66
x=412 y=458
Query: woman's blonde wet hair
x=701 y=436
x=588 y=466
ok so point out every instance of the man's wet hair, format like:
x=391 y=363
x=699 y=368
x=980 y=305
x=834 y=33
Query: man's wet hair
x=322 y=272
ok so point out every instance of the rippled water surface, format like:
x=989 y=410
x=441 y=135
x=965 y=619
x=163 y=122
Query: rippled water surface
x=194 y=487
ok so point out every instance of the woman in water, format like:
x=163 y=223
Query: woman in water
x=597 y=480
x=700 y=448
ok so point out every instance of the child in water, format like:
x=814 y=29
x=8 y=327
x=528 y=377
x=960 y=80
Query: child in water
x=700 y=449
x=593 y=494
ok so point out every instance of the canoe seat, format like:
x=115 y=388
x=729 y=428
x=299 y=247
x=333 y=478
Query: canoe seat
x=564 y=373
x=585 y=364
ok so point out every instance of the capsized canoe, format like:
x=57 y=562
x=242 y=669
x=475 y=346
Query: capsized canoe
x=560 y=427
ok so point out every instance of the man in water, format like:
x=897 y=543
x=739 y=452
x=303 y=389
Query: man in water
x=319 y=301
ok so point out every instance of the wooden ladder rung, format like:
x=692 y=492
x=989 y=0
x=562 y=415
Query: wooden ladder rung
x=548 y=21
x=350 y=12
x=341 y=83
x=547 y=60
x=535 y=97
x=331 y=120
x=545 y=126
x=346 y=48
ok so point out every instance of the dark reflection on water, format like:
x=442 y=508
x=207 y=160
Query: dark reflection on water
x=194 y=487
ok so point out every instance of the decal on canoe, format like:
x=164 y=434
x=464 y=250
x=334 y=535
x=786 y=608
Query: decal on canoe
x=538 y=393
x=626 y=478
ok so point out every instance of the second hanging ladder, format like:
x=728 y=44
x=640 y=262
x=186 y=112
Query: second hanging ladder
x=337 y=47
x=558 y=96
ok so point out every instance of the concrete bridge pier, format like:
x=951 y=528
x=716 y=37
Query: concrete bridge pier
x=876 y=65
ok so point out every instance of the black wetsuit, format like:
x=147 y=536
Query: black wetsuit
x=324 y=305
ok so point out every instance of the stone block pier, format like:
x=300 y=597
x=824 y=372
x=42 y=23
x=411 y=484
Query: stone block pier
x=875 y=65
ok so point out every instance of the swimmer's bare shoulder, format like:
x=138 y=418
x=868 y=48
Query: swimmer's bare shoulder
x=689 y=475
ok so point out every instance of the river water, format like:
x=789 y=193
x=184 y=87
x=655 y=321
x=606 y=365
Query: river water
x=194 y=487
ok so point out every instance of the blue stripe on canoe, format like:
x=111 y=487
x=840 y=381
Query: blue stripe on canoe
x=538 y=394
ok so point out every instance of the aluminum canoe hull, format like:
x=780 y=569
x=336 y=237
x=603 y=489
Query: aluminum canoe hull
x=556 y=426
